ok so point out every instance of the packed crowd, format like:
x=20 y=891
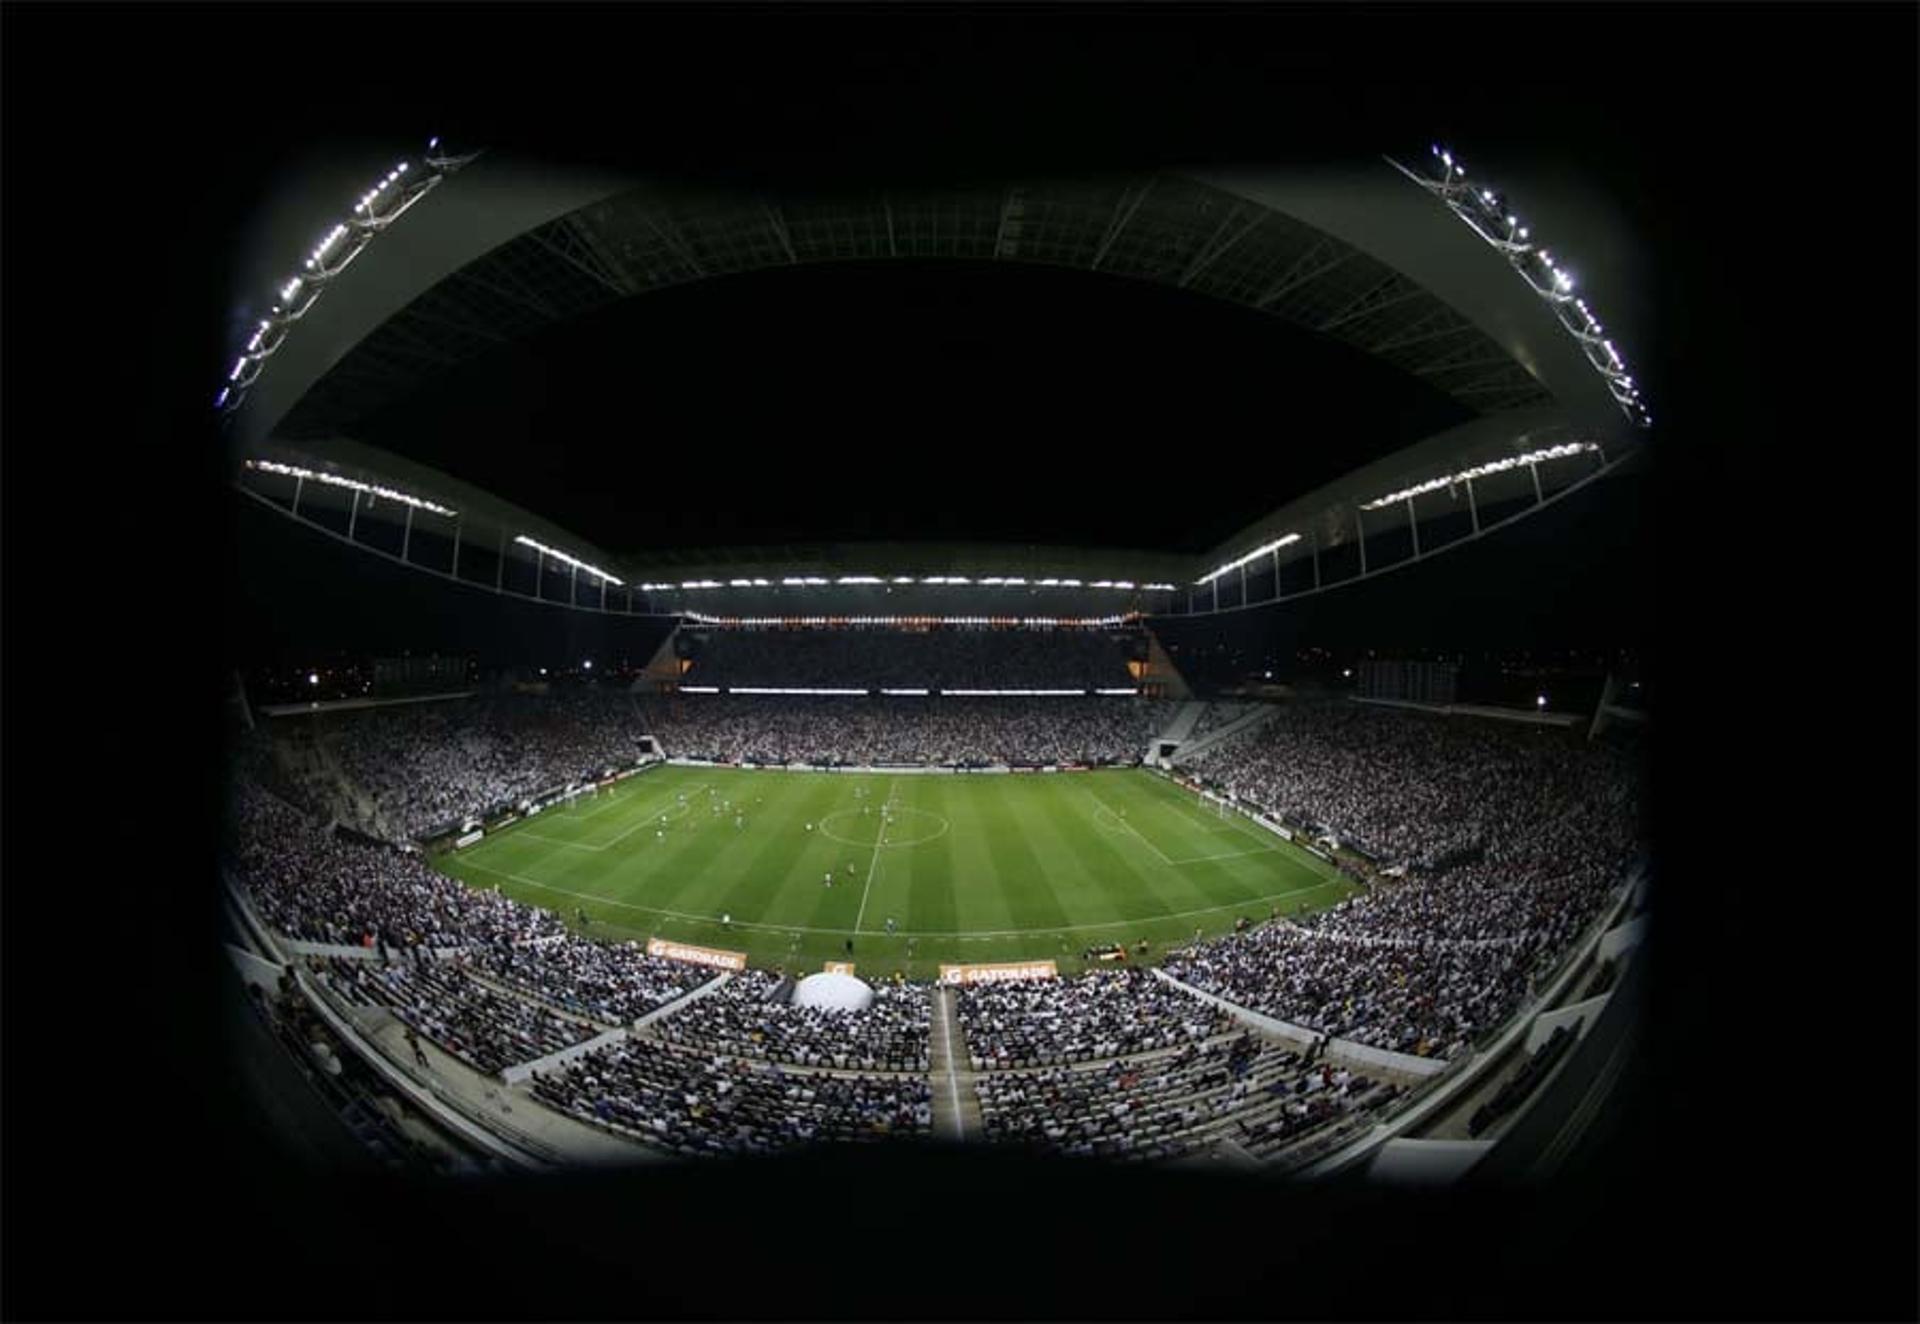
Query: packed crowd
x=484 y=1028
x=703 y=1103
x=1415 y=788
x=429 y=765
x=741 y=1018
x=1104 y=1013
x=614 y=984
x=943 y=659
x=1216 y=716
x=312 y=884
x=1430 y=1001
x=1514 y=837
x=829 y=730
x=1163 y=1106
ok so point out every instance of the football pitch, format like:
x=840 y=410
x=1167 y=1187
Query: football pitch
x=966 y=867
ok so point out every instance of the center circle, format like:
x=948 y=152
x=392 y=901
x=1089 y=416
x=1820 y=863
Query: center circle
x=910 y=827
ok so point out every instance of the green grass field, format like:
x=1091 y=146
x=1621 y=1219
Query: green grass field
x=971 y=868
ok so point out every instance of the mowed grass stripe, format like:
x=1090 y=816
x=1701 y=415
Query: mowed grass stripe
x=1030 y=852
x=926 y=898
x=779 y=862
x=979 y=906
x=1219 y=834
x=1099 y=881
x=1019 y=873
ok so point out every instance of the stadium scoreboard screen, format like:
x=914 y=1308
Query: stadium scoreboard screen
x=417 y=675
x=1412 y=682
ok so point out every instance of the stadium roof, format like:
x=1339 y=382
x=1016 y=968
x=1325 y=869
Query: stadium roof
x=1400 y=346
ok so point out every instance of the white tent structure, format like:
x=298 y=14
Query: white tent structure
x=835 y=992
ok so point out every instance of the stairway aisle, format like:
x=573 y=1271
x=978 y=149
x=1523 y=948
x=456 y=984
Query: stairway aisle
x=956 y=1110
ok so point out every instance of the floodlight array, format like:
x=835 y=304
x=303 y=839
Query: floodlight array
x=1481 y=471
x=1047 y=622
x=989 y=581
x=335 y=480
x=1250 y=557
x=916 y=694
x=564 y=559
x=1487 y=213
x=373 y=211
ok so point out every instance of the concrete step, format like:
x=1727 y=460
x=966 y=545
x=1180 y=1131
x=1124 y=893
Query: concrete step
x=956 y=1108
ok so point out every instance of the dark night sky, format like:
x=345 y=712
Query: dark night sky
x=141 y=144
x=902 y=401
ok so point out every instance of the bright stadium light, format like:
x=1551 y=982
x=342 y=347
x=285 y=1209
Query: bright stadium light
x=1481 y=471
x=335 y=480
x=342 y=244
x=588 y=664
x=1250 y=557
x=564 y=559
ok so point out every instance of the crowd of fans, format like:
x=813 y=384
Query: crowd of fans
x=614 y=984
x=486 y=1029
x=939 y=730
x=703 y=1103
x=1415 y=788
x=1430 y=1001
x=1168 y=1104
x=1216 y=716
x=427 y=766
x=742 y=1018
x=1104 y=1013
x=978 y=659
x=1514 y=839
x=312 y=884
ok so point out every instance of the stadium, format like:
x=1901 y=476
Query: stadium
x=857 y=840
x=982 y=666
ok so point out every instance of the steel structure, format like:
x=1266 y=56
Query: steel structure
x=1362 y=258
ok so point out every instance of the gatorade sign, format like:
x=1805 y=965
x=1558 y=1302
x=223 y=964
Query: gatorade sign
x=998 y=973
x=680 y=951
